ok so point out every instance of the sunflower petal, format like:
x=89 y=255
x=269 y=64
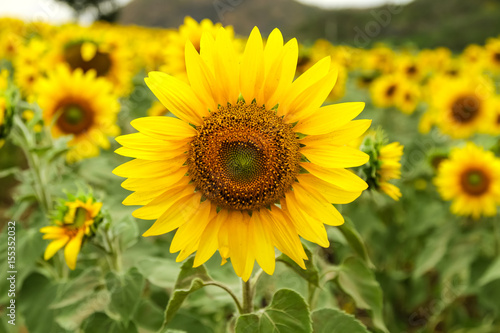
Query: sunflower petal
x=335 y=157
x=72 y=249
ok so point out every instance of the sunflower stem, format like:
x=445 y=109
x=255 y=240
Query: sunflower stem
x=248 y=294
x=229 y=291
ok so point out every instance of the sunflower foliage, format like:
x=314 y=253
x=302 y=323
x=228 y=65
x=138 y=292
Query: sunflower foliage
x=412 y=235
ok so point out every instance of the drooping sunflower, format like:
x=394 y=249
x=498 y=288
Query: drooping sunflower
x=81 y=105
x=75 y=220
x=252 y=160
x=471 y=179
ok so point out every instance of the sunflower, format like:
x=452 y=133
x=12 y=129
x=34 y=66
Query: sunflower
x=471 y=179
x=190 y=31
x=101 y=50
x=492 y=54
x=77 y=221
x=385 y=90
x=81 y=105
x=252 y=160
x=408 y=97
x=384 y=164
x=462 y=106
x=390 y=168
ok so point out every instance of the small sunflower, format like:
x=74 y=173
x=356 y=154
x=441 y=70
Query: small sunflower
x=492 y=54
x=252 y=162
x=462 y=106
x=384 y=164
x=471 y=179
x=76 y=219
x=384 y=90
x=81 y=105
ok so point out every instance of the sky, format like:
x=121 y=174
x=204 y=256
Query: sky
x=52 y=11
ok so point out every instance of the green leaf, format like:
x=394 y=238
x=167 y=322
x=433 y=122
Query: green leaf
x=287 y=313
x=355 y=241
x=433 y=251
x=10 y=171
x=125 y=291
x=357 y=280
x=148 y=315
x=126 y=231
x=491 y=274
x=35 y=288
x=101 y=323
x=189 y=280
x=79 y=288
x=159 y=271
x=336 y=321
x=310 y=274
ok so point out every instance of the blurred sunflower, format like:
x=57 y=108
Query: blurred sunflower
x=157 y=109
x=471 y=179
x=385 y=89
x=81 y=105
x=75 y=220
x=190 y=31
x=230 y=173
x=492 y=54
x=462 y=106
x=102 y=51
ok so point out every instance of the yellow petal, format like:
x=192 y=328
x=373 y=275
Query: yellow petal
x=317 y=206
x=153 y=155
x=307 y=226
x=163 y=128
x=55 y=246
x=200 y=77
x=161 y=203
x=143 y=142
x=238 y=242
x=329 y=118
x=72 y=249
x=88 y=51
x=149 y=169
x=311 y=99
x=152 y=184
x=263 y=247
x=331 y=192
x=190 y=232
x=252 y=75
x=210 y=238
x=342 y=178
x=178 y=213
x=341 y=136
x=226 y=69
x=177 y=97
x=334 y=156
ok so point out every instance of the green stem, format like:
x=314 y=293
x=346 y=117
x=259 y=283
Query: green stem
x=248 y=294
x=229 y=291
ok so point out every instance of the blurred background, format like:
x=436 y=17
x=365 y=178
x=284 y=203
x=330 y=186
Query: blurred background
x=421 y=23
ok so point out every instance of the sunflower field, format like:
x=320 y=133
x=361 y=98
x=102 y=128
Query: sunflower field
x=196 y=180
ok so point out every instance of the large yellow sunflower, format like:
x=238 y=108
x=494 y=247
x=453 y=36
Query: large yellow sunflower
x=79 y=104
x=252 y=162
x=69 y=231
x=471 y=179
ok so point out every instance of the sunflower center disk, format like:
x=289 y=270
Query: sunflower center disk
x=75 y=119
x=244 y=157
x=475 y=182
x=100 y=62
x=466 y=109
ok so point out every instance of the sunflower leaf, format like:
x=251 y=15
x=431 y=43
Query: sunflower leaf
x=287 y=313
x=355 y=241
x=336 y=321
x=359 y=282
x=189 y=280
x=310 y=274
x=125 y=291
